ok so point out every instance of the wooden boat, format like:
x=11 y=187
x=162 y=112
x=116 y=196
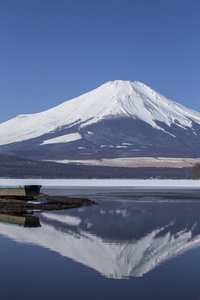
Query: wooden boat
x=20 y=191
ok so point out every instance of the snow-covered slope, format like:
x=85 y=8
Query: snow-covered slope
x=119 y=114
x=112 y=99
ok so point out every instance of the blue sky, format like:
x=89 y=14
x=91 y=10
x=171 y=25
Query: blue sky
x=54 y=50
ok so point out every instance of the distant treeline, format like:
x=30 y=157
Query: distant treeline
x=16 y=167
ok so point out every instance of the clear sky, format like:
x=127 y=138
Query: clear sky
x=54 y=50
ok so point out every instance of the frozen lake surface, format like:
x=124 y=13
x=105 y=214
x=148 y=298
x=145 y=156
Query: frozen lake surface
x=137 y=243
x=156 y=183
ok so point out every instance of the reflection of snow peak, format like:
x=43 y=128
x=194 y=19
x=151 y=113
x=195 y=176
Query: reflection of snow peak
x=114 y=260
x=70 y=220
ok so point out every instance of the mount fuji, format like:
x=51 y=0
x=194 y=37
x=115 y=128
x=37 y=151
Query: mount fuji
x=118 y=119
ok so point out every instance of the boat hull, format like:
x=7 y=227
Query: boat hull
x=20 y=191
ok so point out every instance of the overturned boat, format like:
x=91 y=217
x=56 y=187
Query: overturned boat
x=20 y=191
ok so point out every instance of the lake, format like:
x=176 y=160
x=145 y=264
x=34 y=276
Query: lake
x=135 y=244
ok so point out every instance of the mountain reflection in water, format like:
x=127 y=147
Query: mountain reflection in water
x=119 y=239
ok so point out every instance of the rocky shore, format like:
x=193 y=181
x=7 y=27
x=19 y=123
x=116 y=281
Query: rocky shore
x=18 y=210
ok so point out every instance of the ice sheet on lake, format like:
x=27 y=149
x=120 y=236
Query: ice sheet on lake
x=131 y=183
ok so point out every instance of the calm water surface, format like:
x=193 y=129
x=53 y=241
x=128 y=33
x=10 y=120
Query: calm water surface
x=133 y=245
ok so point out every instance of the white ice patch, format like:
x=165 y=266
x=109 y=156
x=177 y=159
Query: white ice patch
x=63 y=139
x=116 y=183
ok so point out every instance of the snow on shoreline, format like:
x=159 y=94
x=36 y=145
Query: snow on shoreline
x=116 y=183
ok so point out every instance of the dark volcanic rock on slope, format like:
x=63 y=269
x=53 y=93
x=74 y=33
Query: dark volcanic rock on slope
x=111 y=139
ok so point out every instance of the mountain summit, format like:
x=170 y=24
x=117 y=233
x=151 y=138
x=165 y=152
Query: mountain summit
x=118 y=119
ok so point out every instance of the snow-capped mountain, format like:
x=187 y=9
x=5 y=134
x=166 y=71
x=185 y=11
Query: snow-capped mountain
x=118 y=119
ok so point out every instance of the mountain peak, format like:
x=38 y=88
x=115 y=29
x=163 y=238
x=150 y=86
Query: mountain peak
x=127 y=86
x=116 y=84
x=112 y=100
